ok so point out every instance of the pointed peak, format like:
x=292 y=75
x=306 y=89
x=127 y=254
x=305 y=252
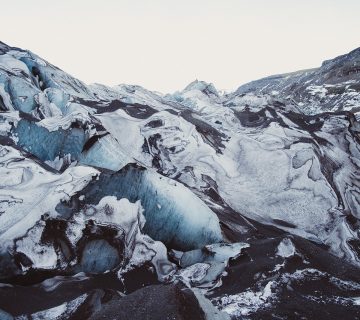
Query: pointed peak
x=203 y=86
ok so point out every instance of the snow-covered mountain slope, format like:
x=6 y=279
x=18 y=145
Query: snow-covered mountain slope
x=251 y=196
x=332 y=87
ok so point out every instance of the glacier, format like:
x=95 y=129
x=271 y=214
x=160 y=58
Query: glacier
x=242 y=204
x=165 y=204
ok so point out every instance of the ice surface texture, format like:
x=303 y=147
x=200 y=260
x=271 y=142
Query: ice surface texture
x=251 y=196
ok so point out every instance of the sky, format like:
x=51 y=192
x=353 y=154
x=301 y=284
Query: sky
x=165 y=44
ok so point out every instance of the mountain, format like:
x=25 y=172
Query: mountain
x=332 y=87
x=241 y=205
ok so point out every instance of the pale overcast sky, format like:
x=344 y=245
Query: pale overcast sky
x=165 y=44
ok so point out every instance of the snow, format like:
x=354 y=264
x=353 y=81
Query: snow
x=53 y=313
x=286 y=248
x=205 y=267
x=37 y=192
x=247 y=302
x=194 y=274
x=128 y=218
x=58 y=121
x=256 y=150
x=8 y=62
x=42 y=255
x=321 y=91
x=174 y=214
x=62 y=311
x=241 y=172
x=105 y=153
x=5 y=97
x=121 y=125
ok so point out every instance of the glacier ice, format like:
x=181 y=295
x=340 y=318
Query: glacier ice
x=286 y=248
x=98 y=256
x=96 y=239
x=105 y=153
x=69 y=136
x=174 y=215
x=47 y=145
x=121 y=243
x=204 y=268
x=45 y=190
x=251 y=196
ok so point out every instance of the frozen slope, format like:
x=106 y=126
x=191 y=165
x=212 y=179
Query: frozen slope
x=332 y=87
x=251 y=196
